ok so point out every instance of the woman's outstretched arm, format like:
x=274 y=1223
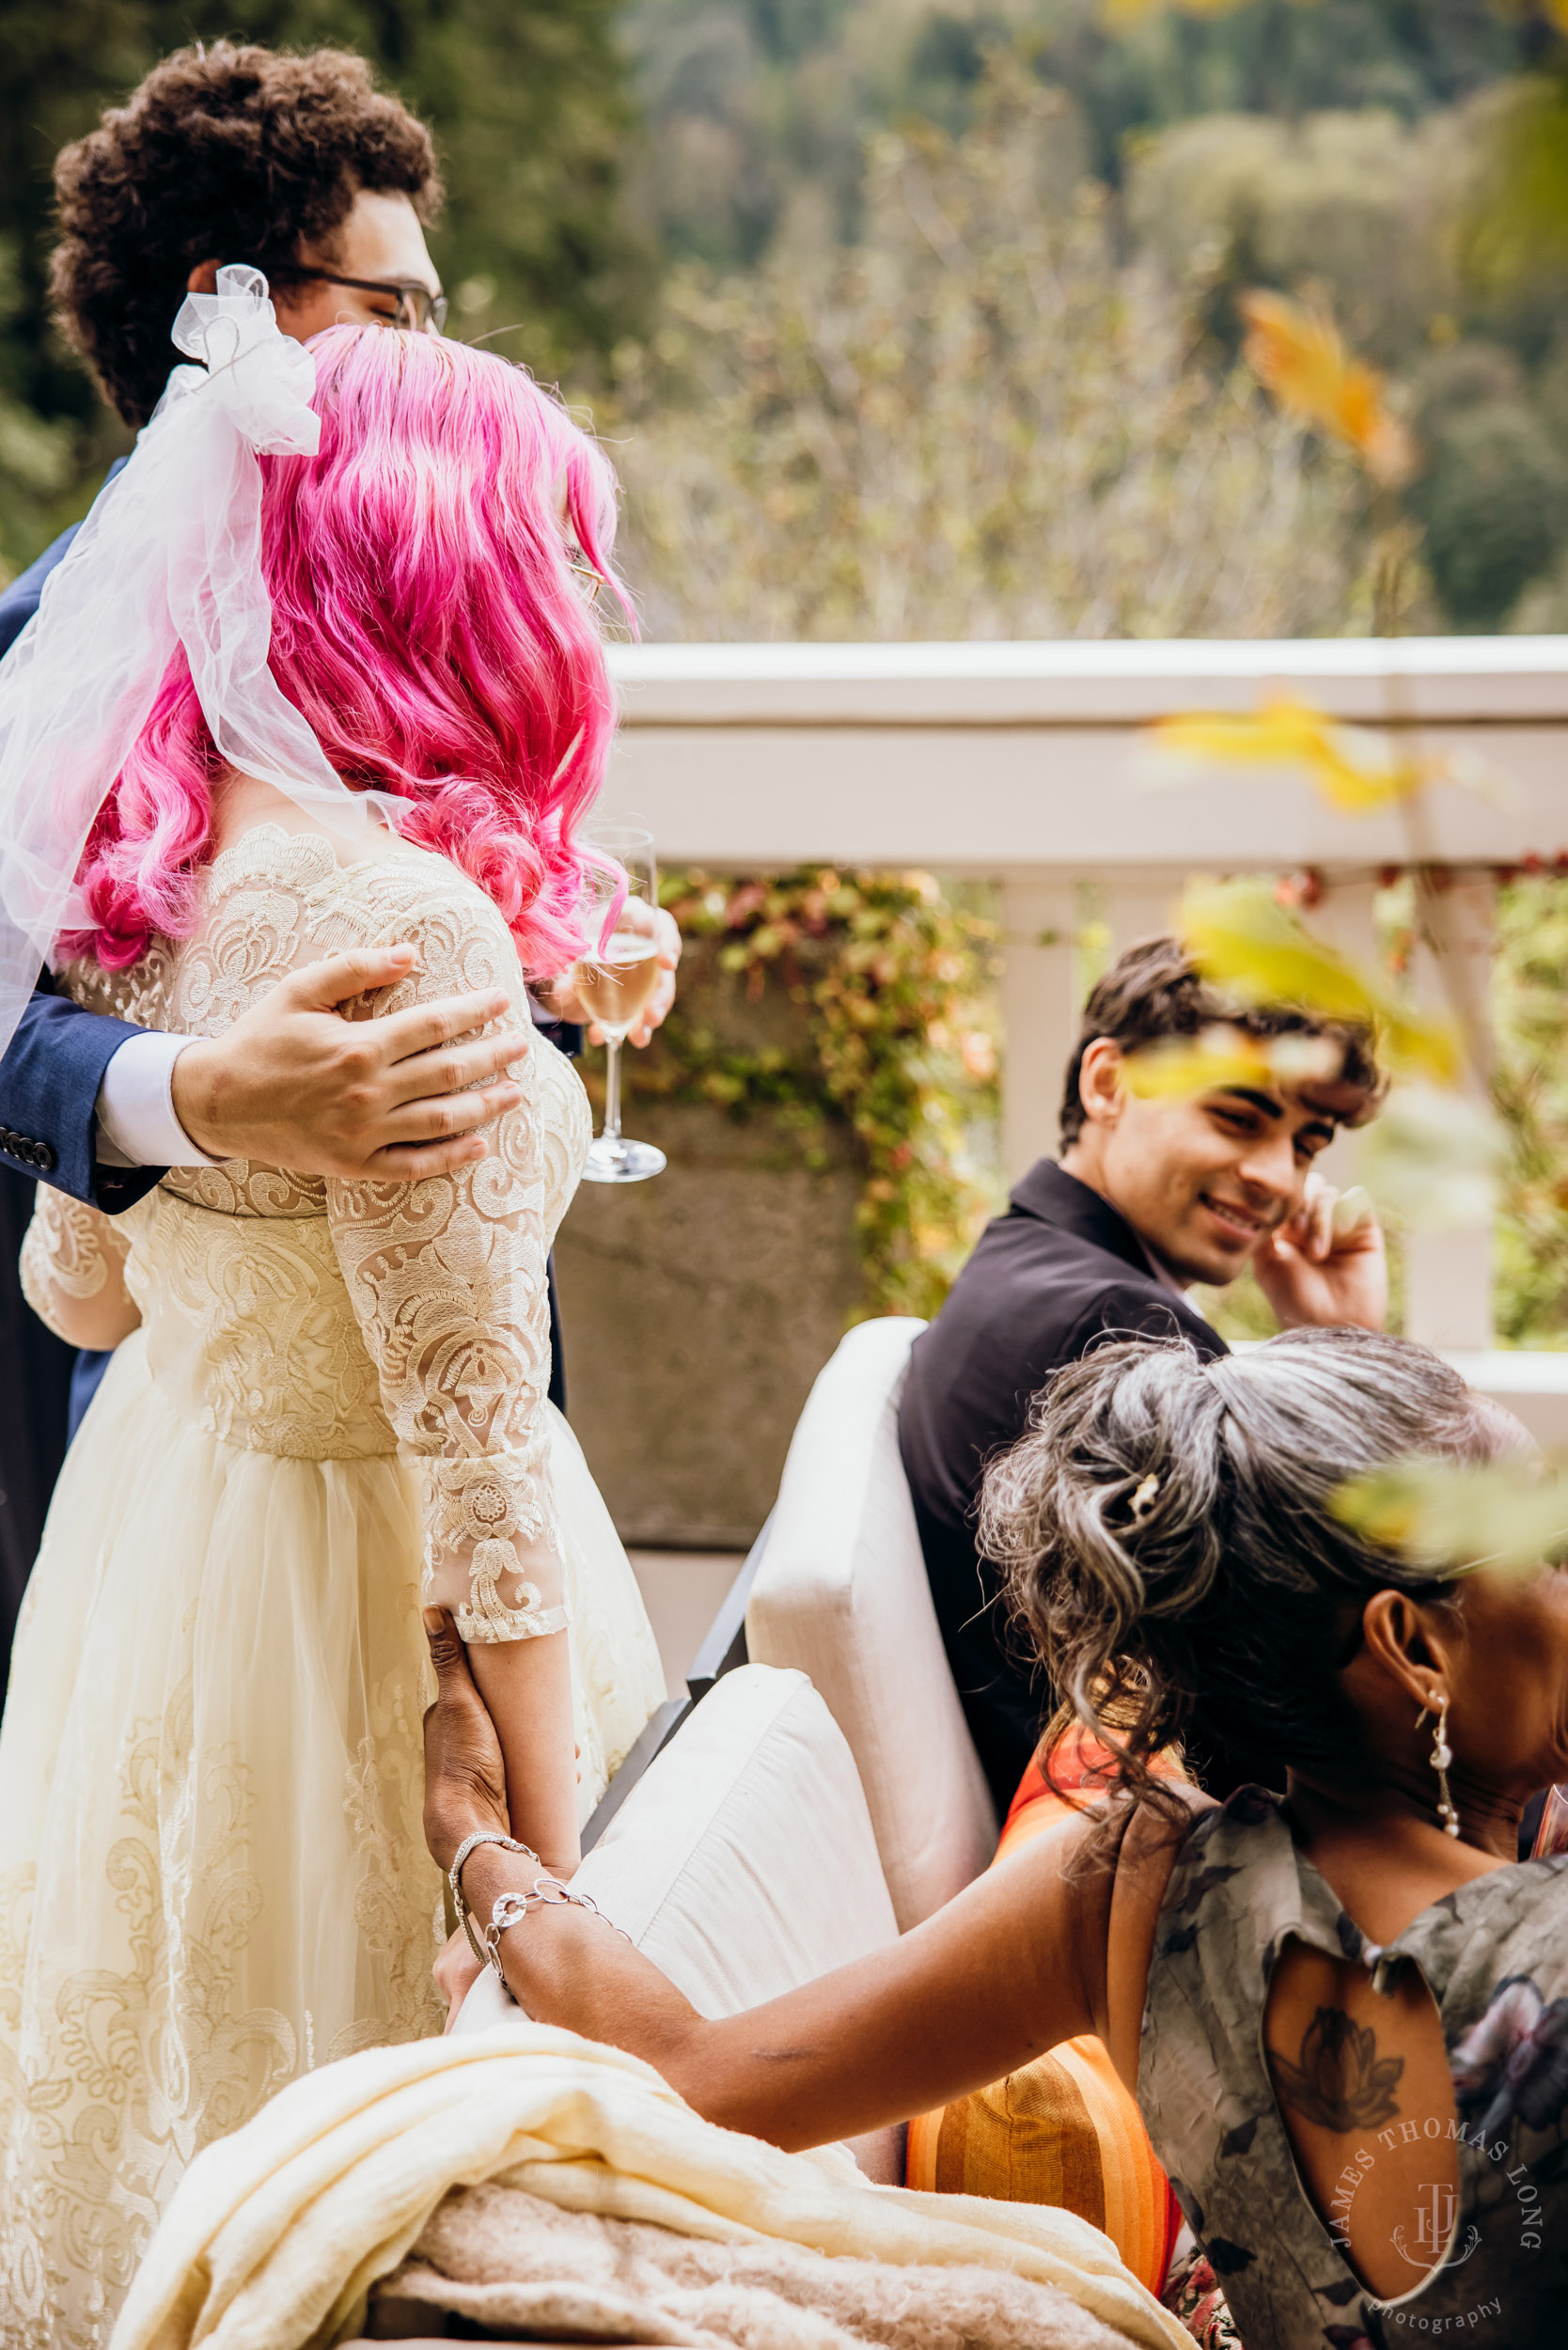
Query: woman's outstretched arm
x=1007 y=1969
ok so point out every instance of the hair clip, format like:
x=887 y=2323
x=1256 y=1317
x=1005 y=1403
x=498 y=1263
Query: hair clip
x=1144 y=1499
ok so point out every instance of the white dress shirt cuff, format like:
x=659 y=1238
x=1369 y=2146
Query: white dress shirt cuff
x=137 y=1125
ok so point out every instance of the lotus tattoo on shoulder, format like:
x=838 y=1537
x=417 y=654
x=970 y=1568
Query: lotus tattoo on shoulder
x=1341 y=2082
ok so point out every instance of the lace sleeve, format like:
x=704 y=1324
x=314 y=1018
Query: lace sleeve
x=447 y=1280
x=72 y=1254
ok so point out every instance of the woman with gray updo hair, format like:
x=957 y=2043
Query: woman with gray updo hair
x=1343 y=2011
x=1167 y=1527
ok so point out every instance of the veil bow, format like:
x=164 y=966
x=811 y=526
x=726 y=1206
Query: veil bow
x=170 y=555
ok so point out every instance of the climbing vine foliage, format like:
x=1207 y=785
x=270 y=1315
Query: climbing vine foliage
x=897 y=1045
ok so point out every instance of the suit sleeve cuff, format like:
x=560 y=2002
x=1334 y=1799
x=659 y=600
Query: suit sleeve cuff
x=137 y=1125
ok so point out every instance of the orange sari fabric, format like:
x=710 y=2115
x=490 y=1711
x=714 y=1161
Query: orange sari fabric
x=1062 y=2130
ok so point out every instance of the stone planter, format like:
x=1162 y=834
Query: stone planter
x=697 y=1308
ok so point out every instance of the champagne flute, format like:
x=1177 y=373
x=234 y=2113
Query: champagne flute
x=613 y=980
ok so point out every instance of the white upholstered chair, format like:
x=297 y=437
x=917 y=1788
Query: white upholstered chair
x=841 y=1594
x=742 y=1862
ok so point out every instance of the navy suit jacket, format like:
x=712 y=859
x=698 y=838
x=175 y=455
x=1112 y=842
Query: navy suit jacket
x=51 y=1071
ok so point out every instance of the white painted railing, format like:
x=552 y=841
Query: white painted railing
x=1021 y=763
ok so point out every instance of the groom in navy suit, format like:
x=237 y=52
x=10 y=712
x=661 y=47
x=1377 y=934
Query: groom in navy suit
x=301 y=166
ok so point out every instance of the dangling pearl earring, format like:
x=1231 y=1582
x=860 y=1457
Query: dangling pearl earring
x=1440 y=1757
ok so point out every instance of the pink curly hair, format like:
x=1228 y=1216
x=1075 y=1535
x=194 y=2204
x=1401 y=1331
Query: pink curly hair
x=426 y=622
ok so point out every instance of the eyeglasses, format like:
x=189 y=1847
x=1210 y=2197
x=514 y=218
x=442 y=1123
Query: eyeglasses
x=582 y=569
x=417 y=308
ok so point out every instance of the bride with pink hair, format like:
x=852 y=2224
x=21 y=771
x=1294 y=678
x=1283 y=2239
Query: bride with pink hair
x=327 y=1397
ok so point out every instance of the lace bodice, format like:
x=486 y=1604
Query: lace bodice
x=335 y=1319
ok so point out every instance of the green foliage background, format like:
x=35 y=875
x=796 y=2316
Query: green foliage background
x=751 y=101
x=895 y=979
x=532 y=113
x=1335 y=146
x=1531 y=1005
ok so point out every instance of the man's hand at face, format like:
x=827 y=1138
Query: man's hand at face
x=560 y=998
x=293 y=1084
x=1320 y=1268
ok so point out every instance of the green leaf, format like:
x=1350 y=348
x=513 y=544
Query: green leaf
x=1450 y=1517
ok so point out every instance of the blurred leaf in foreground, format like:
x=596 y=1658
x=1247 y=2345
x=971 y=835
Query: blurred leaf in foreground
x=1119 y=16
x=1222 y=1056
x=1515 y=210
x=1433 y=1158
x=1354 y=771
x=1452 y=1515
x=1244 y=940
x=1297 y=353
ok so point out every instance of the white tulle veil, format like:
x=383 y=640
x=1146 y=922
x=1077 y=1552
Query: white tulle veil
x=170 y=554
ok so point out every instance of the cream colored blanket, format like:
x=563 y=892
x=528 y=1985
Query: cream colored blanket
x=276 y=2233
x=525 y=2270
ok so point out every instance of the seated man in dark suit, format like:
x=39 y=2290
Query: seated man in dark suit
x=1149 y=1194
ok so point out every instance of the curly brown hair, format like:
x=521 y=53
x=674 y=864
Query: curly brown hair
x=224 y=153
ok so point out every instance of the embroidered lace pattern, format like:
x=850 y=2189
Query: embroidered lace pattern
x=68 y=1252
x=113 y=2076
x=338 y=1390
x=444 y=1351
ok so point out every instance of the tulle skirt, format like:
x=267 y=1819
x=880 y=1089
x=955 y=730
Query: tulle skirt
x=213 y=1876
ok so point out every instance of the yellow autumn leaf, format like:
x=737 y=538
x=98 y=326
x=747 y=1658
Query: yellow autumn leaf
x=1354 y=769
x=1121 y=15
x=1222 y=1056
x=1297 y=353
x=1244 y=940
x=1447 y=1516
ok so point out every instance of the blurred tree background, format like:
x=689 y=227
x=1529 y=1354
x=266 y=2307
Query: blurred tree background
x=800 y=153
x=803 y=255
x=532 y=107
x=981 y=419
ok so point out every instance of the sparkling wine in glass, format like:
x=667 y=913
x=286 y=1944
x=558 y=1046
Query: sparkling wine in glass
x=614 y=981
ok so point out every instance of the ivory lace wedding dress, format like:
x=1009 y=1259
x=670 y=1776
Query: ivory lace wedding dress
x=211 y=1872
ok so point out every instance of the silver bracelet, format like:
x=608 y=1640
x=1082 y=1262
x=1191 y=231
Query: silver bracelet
x=454 y=1875
x=546 y=1892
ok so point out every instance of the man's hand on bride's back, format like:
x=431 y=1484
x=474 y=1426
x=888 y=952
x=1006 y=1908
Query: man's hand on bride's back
x=293 y=1084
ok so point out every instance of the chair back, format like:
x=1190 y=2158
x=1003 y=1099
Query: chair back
x=841 y=1595
x=742 y=1863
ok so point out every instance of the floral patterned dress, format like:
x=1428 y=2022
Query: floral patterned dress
x=1494 y=1955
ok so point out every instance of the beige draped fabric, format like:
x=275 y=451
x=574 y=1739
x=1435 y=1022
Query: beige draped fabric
x=277 y=2235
